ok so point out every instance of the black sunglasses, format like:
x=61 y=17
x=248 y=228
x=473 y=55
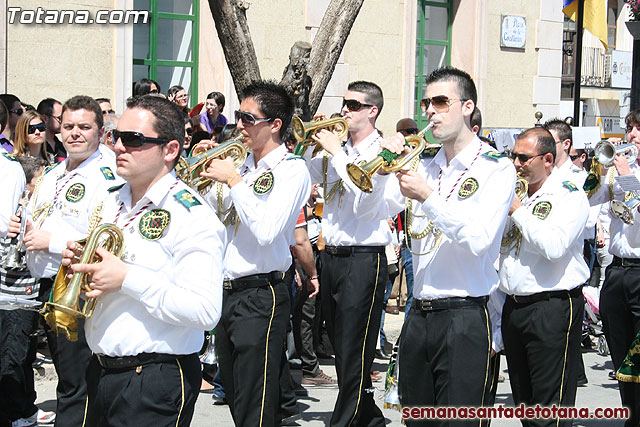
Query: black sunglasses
x=354 y=105
x=17 y=111
x=523 y=158
x=189 y=131
x=440 y=103
x=136 y=139
x=249 y=119
x=108 y=112
x=40 y=126
x=573 y=157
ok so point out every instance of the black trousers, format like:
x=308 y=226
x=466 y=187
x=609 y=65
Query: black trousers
x=71 y=361
x=250 y=342
x=352 y=288
x=304 y=311
x=620 y=313
x=542 y=345
x=157 y=395
x=17 y=353
x=444 y=360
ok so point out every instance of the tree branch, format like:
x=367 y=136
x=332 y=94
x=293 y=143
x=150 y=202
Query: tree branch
x=233 y=31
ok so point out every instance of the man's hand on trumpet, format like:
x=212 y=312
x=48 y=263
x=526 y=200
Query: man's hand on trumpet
x=328 y=140
x=105 y=276
x=223 y=171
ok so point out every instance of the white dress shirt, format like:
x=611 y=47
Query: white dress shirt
x=342 y=223
x=78 y=193
x=619 y=232
x=266 y=221
x=13 y=183
x=550 y=255
x=571 y=172
x=173 y=290
x=463 y=263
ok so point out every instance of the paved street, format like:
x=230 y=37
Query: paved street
x=317 y=407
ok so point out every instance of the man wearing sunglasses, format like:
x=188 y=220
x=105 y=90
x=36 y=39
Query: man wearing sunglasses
x=51 y=111
x=352 y=298
x=61 y=209
x=15 y=109
x=155 y=302
x=460 y=200
x=542 y=270
x=259 y=203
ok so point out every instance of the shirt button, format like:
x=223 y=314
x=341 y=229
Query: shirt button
x=131 y=229
x=133 y=257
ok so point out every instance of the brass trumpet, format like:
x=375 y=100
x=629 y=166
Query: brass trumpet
x=63 y=312
x=304 y=131
x=522 y=187
x=606 y=152
x=361 y=174
x=190 y=169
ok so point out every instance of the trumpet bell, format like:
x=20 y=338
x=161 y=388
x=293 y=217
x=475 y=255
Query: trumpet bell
x=522 y=187
x=303 y=131
x=63 y=311
x=606 y=152
x=362 y=174
x=624 y=210
x=190 y=169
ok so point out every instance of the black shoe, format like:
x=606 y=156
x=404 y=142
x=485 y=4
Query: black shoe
x=321 y=354
x=612 y=375
x=290 y=420
x=380 y=354
x=582 y=381
x=218 y=400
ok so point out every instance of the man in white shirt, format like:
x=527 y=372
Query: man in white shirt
x=60 y=210
x=260 y=204
x=154 y=304
x=459 y=204
x=620 y=295
x=354 y=266
x=541 y=272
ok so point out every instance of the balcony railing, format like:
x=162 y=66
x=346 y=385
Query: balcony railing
x=596 y=67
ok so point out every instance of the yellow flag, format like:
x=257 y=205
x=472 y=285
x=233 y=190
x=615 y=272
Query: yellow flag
x=595 y=16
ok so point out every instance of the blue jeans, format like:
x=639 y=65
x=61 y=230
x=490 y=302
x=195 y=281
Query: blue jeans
x=387 y=294
x=407 y=263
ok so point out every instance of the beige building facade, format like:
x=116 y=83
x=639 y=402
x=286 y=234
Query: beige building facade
x=394 y=43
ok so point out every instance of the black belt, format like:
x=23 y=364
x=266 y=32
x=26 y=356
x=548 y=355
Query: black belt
x=350 y=250
x=447 y=303
x=129 y=362
x=544 y=296
x=625 y=262
x=253 y=281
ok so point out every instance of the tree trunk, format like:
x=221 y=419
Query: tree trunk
x=296 y=78
x=233 y=31
x=328 y=43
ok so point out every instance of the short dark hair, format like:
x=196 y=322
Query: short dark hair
x=143 y=87
x=168 y=119
x=466 y=86
x=632 y=117
x=218 y=97
x=9 y=99
x=30 y=165
x=45 y=107
x=544 y=140
x=476 y=119
x=273 y=100
x=4 y=116
x=372 y=92
x=560 y=127
x=83 y=102
x=99 y=100
x=174 y=89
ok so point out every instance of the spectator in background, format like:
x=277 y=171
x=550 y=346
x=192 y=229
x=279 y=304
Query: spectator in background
x=105 y=105
x=110 y=124
x=145 y=87
x=29 y=137
x=212 y=117
x=15 y=109
x=476 y=121
x=178 y=96
x=51 y=111
x=4 y=117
